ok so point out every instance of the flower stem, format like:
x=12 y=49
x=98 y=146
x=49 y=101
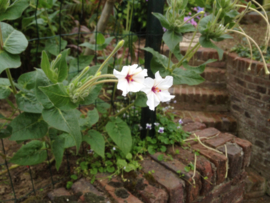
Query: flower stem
x=250 y=48
x=11 y=81
x=92 y=80
x=264 y=63
x=103 y=81
x=118 y=46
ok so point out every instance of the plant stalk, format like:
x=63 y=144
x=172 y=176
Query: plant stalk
x=11 y=81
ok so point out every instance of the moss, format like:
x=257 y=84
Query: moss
x=121 y=192
x=115 y=184
x=150 y=178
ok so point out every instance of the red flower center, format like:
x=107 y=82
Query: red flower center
x=129 y=78
x=155 y=89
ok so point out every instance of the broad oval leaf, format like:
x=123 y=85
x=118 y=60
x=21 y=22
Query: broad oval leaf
x=163 y=20
x=27 y=80
x=172 y=39
x=30 y=154
x=15 y=10
x=28 y=126
x=4 y=88
x=58 y=148
x=14 y=41
x=9 y=60
x=119 y=131
x=96 y=140
x=28 y=102
x=65 y=121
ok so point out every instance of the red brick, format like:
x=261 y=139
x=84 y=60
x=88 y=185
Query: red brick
x=218 y=159
x=205 y=133
x=255 y=185
x=192 y=190
x=191 y=127
x=204 y=166
x=115 y=186
x=235 y=155
x=246 y=146
x=235 y=193
x=173 y=184
x=83 y=186
x=221 y=139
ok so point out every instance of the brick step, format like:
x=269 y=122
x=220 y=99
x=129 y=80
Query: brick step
x=223 y=121
x=212 y=74
x=200 y=98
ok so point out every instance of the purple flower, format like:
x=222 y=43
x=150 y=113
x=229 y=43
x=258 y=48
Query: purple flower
x=192 y=21
x=148 y=126
x=199 y=9
x=161 y=130
x=164 y=29
x=180 y=122
x=175 y=101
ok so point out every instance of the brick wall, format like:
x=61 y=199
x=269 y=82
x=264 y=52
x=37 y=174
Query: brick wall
x=250 y=105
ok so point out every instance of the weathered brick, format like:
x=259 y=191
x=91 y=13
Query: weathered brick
x=261 y=89
x=191 y=127
x=192 y=190
x=217 y=158
x=84 y=186
x=235 y=193
x=115 y=188
x=219 y=140
x=203 y=134
x=235 y=155
x=173 y=184
x=58 y=193
x=204 y=166
x=255 y=185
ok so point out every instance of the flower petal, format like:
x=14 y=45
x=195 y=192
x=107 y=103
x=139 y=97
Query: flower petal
x=140 y=76
x=123 y=85
x=118 y=74
x=166 y=83
x=135 y=86
x=164 y=96
x=148 y=84
x=152 y=101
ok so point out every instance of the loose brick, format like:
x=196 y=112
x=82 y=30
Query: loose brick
x=246 y=146
x=191 y=127
x=204 y=166
x=204 y=134
x=192 y=191
x=218 y=159
x=115 y=188
x=235 y=155
x=173 y=184
x=221 y=139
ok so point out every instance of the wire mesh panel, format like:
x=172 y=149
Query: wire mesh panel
x=55 y=26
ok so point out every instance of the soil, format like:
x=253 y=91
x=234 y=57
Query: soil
x=41 y=174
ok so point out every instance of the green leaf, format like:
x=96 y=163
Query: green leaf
x=27 y=80
x=15 y=10
x=4 y=88
x=64 y=120
x=58 y=95
x=129 y=156
x=141 y=99
x=91 y=119
x=28 y=102
x=206 y=43
x=69 y=141
x=9 y=60
x=46 y=66
x=172 y=39
x=91 y=98
x=40 y=81
x=186 y=28
x=62 y=67
x=189 y=77
x=100 y=39
x=28 y=126
x=187 y=168
x=119 y=131
x=159 y=62
x=163 y=20
x=97 y=46
x=30 y=154
x=75 y=68
x=58 y=148
x=101 y=105
x=160 y=157
x=14 y=41
x=4 y=5
x=96 y=141
x=53 y=48
x=4 y=133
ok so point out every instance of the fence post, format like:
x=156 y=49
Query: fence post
x=154 y=34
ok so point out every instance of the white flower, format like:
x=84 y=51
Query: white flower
x=157 y=90
x=114 y=148
x=130 y=79
x=156 y=124
x=180 y=121
x=161 y=130
x=148 y=126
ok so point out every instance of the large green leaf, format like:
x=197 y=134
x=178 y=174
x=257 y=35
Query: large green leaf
x=92 y=117
x=189 y=77
x=65 y=121
x=93 y=95
x=6 y=132
x=30 y=154
x=46 y=66
x=62 y=67
x=119 y=131
x=69 y=141
x=52 y=46
x=141 y=99
x=9 y=60
x=58 y=148
x=28 y=126
x=172 y=39
x=97 y=142
x=102 y=106
x=4 y=88
x=159 y=62
x=28 y=102
x=58 y=96
x=97 y=47
x=163 y=20
x=15 y=10
x=206 y=43
x=78 y=64
x=40 y=81
x=27 y=80
x=14 y=42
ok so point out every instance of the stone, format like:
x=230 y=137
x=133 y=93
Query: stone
x=235 y=155
x=192 y=189
x=173 y=184
x=59 y=192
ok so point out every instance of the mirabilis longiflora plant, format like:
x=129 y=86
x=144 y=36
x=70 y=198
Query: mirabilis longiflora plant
x=221 y=19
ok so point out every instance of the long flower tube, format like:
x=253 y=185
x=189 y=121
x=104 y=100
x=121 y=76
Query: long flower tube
x=264 y=63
